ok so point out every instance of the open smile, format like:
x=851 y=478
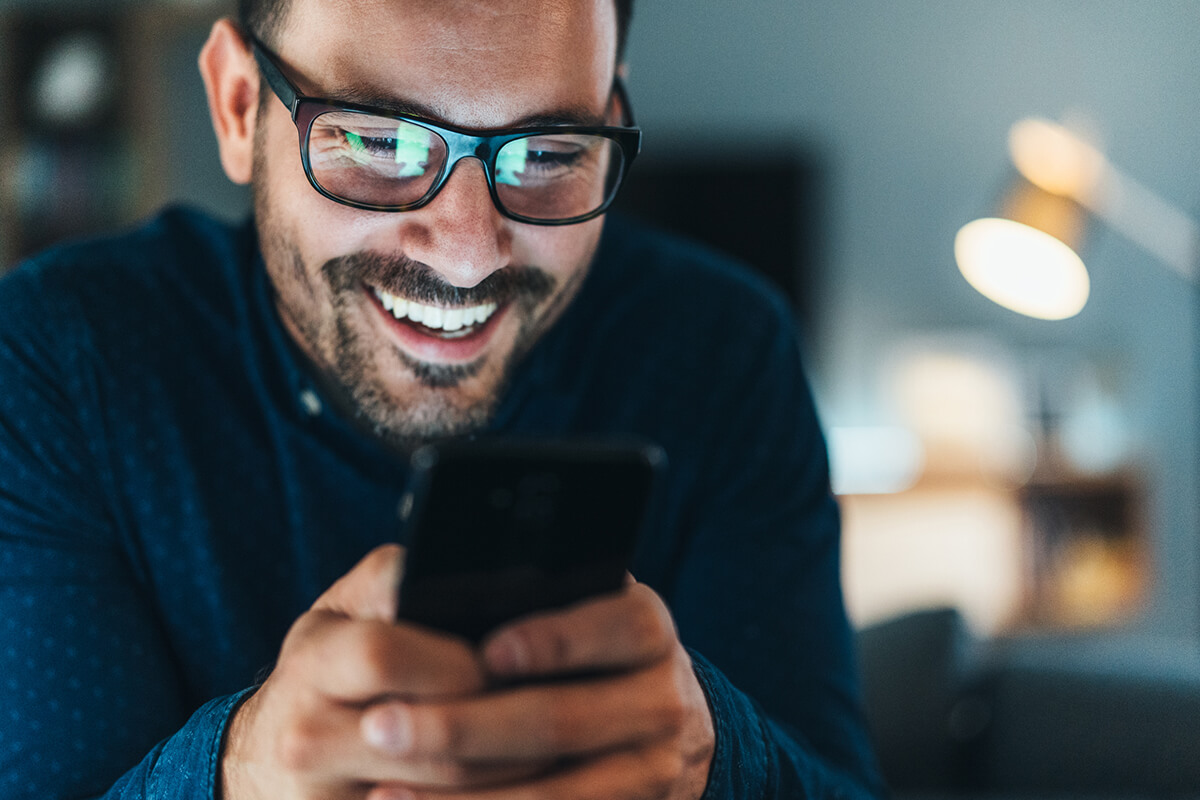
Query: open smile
x=438 y=333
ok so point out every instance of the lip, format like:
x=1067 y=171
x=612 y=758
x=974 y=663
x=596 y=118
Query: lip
x=435 y=349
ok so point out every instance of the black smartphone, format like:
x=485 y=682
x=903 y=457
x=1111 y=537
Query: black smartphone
x=502 y=528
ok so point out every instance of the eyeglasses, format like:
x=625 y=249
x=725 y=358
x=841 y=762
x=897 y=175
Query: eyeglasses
x=375 y=160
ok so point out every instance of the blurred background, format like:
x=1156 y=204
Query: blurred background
x=1020 y=495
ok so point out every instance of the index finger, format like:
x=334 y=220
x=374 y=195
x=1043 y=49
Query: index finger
x=369 y=589
x=624 y=630
x=359 y=661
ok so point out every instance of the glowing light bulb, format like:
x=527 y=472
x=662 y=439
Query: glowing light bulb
x=1022 y=268
x=1055 y=159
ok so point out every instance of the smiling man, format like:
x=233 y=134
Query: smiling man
x=430 y=310
x=204 y=431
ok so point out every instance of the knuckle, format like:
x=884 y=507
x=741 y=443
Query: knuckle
x=445 y=774
x=437 y=732
x=667 y=716
x=664 y=770
x=547 y=643
x=302 y=632
x=307 y=642
x=297 y=746
x=373 y=658
x=673 y=713
x=557 y=647
x=561 y=726
x=454 y=773
x=647 y=626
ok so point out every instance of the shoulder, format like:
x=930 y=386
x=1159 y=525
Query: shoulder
x=670 y=335
x=635 y=256
x=680 y=293
x=145 y=282
x=178 y=248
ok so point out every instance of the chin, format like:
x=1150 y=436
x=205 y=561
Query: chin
x=424 y=402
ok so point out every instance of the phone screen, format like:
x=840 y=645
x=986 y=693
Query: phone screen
x=504 y=528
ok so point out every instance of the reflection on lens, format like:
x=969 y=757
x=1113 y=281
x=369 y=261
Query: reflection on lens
x=511 y=162
x=412 y=150
x=374 y=160
x=392 y=163
x=557 y=176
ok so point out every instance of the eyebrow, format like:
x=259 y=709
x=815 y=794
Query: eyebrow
x=366 y=96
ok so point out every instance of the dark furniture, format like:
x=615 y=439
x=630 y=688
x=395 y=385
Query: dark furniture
x=1055 y=717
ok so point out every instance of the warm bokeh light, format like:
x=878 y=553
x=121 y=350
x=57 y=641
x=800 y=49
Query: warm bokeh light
x=1055 y=159
x=957 y=546
x=1061 y=162
x=1022 y=268
x=966 y=410
x=954 y=535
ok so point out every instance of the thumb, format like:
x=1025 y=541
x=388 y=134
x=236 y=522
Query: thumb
x=368 y=591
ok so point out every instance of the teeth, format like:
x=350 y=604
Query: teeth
x=436 y=317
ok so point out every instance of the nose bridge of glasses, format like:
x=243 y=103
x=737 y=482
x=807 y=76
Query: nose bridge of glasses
x=466 y=148
x=462 y=145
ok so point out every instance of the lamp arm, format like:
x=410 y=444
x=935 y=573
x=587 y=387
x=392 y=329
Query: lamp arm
x=1146 y=219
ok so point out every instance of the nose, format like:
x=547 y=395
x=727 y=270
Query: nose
x=460 y=233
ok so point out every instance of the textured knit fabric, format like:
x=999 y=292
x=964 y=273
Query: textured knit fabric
x=173 y=494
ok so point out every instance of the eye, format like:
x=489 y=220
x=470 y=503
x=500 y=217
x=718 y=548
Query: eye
x=549 y=154
x=335 y=144
x=543 y=158
x=392 y=147
x=555 y=157
x=376 y=146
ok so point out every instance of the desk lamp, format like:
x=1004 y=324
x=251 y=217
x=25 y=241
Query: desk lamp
x=1026 y=258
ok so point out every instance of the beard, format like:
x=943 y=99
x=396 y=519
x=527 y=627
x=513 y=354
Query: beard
x=441 y=403
x=399 y=399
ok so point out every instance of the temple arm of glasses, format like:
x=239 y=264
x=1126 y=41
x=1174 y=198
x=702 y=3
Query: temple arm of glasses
x=279 y=84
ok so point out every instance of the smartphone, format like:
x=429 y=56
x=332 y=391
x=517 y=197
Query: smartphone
x=499 y=529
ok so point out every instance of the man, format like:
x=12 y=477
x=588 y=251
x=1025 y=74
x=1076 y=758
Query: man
x=201 y=428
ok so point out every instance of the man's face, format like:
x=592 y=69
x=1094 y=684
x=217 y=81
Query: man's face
x=472 y=64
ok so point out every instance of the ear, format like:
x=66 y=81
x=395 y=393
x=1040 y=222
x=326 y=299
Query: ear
x=231 y=81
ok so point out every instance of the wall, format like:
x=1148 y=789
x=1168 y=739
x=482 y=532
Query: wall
x=908 y=104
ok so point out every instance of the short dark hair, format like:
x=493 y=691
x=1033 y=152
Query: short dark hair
x=263 y=18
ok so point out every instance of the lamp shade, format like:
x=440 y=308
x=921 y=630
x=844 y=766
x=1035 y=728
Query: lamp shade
x=1026 y=258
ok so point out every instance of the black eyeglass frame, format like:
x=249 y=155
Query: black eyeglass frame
x=460 y=143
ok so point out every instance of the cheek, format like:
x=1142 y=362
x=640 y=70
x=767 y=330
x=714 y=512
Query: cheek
x=560 y=251
x=320 y=229
x=327 y=229
x=316 y=227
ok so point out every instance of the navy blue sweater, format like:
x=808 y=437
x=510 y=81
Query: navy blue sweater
x=169 y=503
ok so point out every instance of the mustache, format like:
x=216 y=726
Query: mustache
x=403 y=277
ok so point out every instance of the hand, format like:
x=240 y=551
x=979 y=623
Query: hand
x=301 y=734
x=631 y=720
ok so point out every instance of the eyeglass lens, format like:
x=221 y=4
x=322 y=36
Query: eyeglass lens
x=382 y=161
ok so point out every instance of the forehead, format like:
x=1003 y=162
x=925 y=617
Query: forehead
x=475 y=63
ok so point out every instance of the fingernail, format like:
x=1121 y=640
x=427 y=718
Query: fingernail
x=388 y=729
x=507 y=655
